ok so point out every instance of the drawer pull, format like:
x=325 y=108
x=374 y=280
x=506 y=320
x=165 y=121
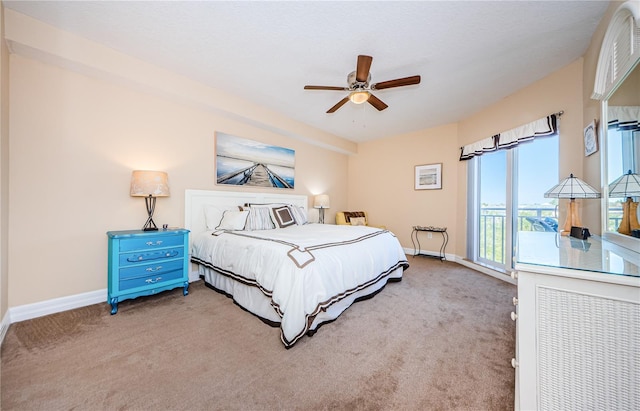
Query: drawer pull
x=514 y=362
x=151 y=269
x=155 y=256
x=152 y=243
x=514 y=316
x=515 y=300
x=151 y=280
x=514 y=275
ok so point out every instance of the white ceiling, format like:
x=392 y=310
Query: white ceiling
x=470 y=54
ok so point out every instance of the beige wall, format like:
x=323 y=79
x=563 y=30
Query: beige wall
x=4 y=169
x=74 y=140
x=381 y=181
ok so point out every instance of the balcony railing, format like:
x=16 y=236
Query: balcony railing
x=492 y=227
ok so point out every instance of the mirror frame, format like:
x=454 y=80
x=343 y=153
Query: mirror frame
x=606 y=84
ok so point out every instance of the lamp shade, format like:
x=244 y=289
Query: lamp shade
x=627 y=185
x=146 y=183
x=321 y=201
x=572 y=187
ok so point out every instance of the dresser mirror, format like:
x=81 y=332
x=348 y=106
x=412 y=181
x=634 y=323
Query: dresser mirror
x=623 y=141
x=617 y=86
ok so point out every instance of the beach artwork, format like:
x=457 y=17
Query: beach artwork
x=244 y=162
x=428 y=177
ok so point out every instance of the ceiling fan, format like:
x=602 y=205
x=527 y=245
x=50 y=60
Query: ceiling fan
x=360 y=89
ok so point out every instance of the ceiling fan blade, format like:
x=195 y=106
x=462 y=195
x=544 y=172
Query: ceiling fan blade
x=376 y=102
x=325 y=88
x=399 y=82
x=362 y=70
x=338 y=105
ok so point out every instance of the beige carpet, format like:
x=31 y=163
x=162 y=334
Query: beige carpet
x=441 y=339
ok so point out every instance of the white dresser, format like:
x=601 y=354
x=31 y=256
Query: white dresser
x=578 y=324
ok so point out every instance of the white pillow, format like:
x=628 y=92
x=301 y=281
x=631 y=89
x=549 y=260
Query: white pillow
x=213 y=215
x=233 y=220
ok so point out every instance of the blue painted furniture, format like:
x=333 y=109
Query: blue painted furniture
x=146 y=262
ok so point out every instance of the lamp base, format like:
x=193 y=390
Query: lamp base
x=150 y=202
x=629 y=220
x=573 y=218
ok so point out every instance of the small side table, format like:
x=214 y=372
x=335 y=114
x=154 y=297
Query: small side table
x=430 y=229
x=146 y=262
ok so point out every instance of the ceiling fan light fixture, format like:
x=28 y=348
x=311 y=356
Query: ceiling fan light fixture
x=359 y=97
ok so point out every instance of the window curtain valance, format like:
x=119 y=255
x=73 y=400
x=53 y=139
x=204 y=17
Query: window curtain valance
x=544 y=127
x=478 y=148
x=624 y=118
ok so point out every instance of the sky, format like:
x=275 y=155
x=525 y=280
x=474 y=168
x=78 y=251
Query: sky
x=538 y=172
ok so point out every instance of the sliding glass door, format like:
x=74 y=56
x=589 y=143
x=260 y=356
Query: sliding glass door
x=492 y=189
x=507 y=196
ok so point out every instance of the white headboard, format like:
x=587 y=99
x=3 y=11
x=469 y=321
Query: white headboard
x=195 y=200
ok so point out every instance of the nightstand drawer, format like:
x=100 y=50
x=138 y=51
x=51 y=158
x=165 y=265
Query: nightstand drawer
x=138 y=257
x=154 y=279
x=150 y=243
x=152 y=269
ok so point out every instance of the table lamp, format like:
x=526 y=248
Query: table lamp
x=572 y=188
x=627 y=186
x=149 y=184
x=321 y=201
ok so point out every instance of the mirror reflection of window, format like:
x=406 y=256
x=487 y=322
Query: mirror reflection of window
x=623 y=151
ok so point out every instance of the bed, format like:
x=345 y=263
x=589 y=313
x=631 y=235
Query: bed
x=296 y=275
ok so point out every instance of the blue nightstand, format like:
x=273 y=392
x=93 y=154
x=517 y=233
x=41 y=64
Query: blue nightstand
x=146 y=262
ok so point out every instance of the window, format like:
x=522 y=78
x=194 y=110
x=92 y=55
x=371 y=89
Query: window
x=506 y=190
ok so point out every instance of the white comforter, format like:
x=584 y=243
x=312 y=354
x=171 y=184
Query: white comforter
x=302 y=269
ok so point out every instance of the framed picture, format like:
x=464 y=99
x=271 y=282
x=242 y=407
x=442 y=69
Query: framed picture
x=243 y=162
x=428 y=177
x=590 y=139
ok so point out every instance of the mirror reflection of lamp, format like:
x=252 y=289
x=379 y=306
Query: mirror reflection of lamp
x=572 y=188
x=627 y=186
x=149 y=184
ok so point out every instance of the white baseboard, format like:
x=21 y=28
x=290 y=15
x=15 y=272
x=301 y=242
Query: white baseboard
x=485 y=270
x=409 y=252
x=468 y=264
x=4 y=327
x=56 y=305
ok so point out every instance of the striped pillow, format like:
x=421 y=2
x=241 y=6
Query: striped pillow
x=299 y=214
x=259 y=219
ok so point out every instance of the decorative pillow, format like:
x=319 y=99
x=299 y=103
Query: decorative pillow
x=259 y=219
x=213 y=214
x=282 y=216
x=299 y=214
x=233 y=220
x=348 y=215
x=357 y=221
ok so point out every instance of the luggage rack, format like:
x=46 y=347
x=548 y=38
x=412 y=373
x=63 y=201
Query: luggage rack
x=429 y=229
